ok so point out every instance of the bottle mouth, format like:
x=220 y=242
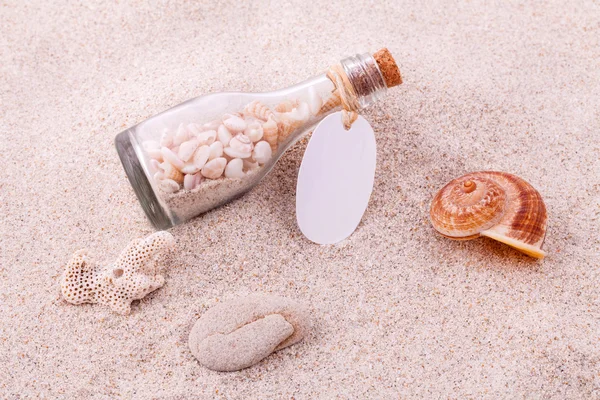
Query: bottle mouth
x=366 y=78
x=142 y=187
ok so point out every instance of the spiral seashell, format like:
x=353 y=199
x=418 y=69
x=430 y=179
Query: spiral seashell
x=258 y=110
x=214 y=168
x=498 y=205
x=286 y=126
x=292 y=120
x=332 y=102
x=170 y=172
x=271 y=133
x=239 y=147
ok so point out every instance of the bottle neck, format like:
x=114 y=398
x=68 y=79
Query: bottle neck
x=365 y=78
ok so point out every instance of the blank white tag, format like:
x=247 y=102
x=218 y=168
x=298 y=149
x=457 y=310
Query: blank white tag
x=335 y=179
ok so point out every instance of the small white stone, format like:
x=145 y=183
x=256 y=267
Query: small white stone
x=187 y=149
x=216 y=150
x=262 y=152
x=172 y=158
x=254 y=131
x=190 y=168
x=224 y=135
x=214 y=168
x=191 y=182
x=166 y=139
x=235 y=168
x=207 y=137
x=301 y=113
x=201 y=156
x=181 y=136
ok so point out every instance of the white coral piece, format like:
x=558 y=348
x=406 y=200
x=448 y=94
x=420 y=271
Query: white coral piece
x=133 y=275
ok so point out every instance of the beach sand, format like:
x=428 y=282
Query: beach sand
x=399 y=311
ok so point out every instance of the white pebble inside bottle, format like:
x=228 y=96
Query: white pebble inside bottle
x=254 y=131
x=262 y=152
x=216 y=150
x=235 y=168
x=224 y=135
x=201 y=156
x=182 y=135
x=166 y=139
x=190 y=168
x=207 y=137
x=191 y=181
x=187 y=149
x=214 y=168
x=171 y=157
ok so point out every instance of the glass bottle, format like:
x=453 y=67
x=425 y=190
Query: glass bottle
x=212 y=149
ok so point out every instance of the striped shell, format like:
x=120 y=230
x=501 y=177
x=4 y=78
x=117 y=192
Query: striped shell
x=498 y=205
x=270 y=133
x=170 y=172
x=292 y=120
x=286 y=126
x=258 y=110
x=332 y=102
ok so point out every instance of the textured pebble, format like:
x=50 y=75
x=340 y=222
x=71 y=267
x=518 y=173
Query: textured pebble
x=239 y=333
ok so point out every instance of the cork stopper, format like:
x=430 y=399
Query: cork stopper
x=389 y=68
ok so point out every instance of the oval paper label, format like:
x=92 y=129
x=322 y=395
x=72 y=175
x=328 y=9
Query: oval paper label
x=335 y=179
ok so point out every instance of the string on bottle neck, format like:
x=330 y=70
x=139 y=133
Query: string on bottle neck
x=347 y=94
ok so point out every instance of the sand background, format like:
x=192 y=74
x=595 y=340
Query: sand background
x=399 y=311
